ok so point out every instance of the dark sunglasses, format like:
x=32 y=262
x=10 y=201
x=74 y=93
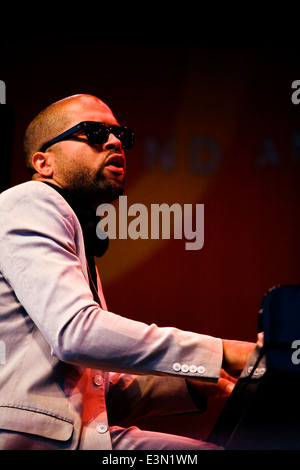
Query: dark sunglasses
x=96 y=133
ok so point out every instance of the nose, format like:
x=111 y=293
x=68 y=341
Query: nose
x=113 y=143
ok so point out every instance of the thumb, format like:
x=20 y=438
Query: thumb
x=226 y=383
x=225 y=387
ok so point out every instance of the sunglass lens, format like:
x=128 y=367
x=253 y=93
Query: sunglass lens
x=97 y=134
x=127 y=138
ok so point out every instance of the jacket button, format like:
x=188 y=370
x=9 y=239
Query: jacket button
x=101 y=428
x=98 y=380
x=201 y=370
x=177 y=366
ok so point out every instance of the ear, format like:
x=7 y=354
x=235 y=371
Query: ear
x=43 y=163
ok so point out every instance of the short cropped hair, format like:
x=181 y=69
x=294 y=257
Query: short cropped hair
x=49 y=123
x=45 y=126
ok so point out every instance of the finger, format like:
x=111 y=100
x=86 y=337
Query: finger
x=225 y=386
x=224 y=375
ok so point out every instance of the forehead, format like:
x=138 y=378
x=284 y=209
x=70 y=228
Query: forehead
x=91 y=110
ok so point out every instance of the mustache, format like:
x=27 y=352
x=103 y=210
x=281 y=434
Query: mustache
x=114 y=153
x=116 y=158
x=112 y=156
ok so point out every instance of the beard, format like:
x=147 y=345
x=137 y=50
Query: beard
x=95 y=189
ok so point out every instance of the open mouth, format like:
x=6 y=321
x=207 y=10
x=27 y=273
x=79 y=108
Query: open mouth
x=116 y=164
x=116 y=161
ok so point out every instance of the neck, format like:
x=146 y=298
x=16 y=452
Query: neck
x=37 y=177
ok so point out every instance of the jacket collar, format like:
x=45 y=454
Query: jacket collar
x=88 y=220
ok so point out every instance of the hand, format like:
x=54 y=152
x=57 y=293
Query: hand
x=222 y=388
x=235 y=355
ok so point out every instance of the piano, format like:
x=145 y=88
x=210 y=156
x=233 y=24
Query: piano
x=263 y=410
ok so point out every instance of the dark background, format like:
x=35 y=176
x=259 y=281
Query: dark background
x=236 y=104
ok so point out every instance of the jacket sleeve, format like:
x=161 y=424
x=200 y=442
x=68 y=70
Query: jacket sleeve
x=42 y=258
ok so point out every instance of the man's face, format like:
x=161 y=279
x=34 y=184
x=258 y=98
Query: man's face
x=95 y=172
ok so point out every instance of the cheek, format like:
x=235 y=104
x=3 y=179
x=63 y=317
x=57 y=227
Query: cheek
x=87 y=158
x=75 y=158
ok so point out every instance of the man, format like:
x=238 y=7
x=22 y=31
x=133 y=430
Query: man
x=73 y=370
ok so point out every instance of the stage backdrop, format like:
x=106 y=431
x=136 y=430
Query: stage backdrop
x=214 y=126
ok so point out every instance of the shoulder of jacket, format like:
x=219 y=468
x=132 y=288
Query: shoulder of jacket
x=35 y=199
x=27 y=188
x=32 y=191
x=37 y=205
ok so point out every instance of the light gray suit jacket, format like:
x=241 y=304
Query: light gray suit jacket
x=64 y=359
